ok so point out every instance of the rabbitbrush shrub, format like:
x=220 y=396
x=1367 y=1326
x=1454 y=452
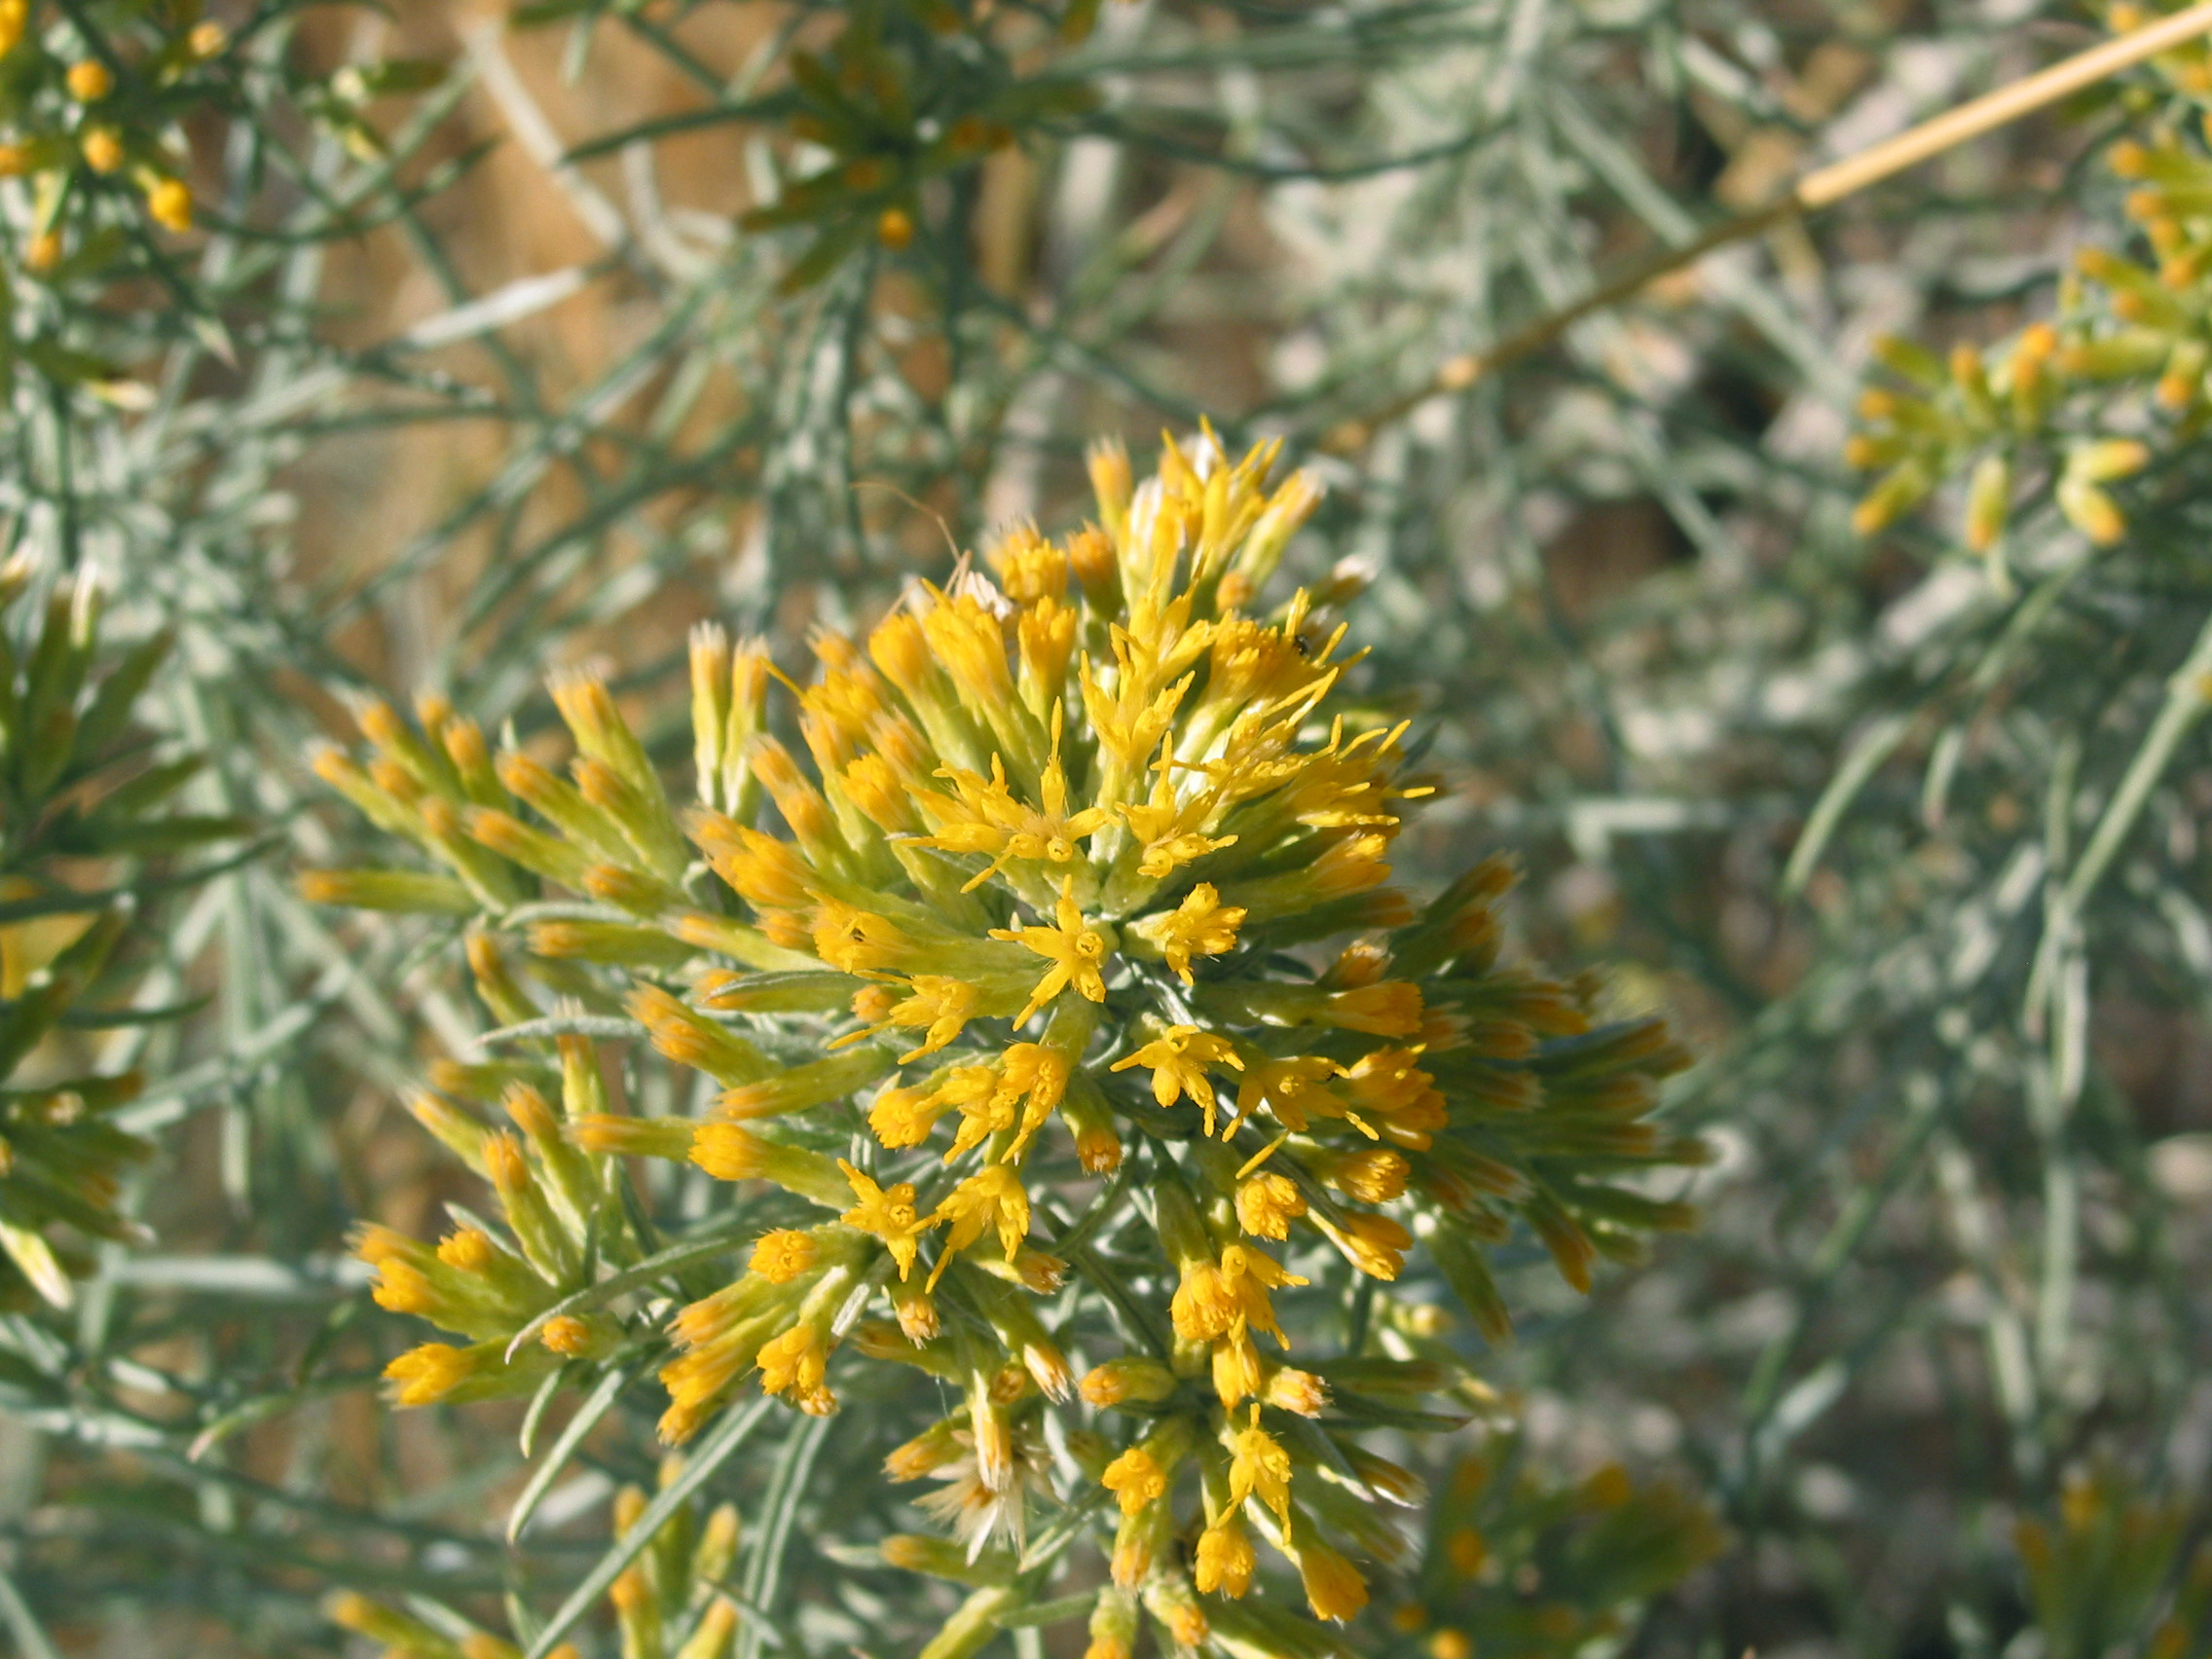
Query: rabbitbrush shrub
x=970 y=1078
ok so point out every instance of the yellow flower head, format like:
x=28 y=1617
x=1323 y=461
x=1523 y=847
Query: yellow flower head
x=1226 y=1559
x=1333 y=1587
x=469 y=1249
x=1136 y=1480
x=1237 y=1372
x=983 y=816
x=427 y=1375
x=1374 y=1244
x=568 y=1336
x=1268 y=1203
x=795 y=1364
x=88 y=80
x=1295 y=1091
x=726 y=1152
x=991 y=1198
x=1374 y=1175
x=887 y=1214
x=782 y=1256
x=937 y=1006
x=1077 y=950
x=1259 y=1467
x=1200 y=926
x=1214 y=1297
x=1178 y=1059
x=103 y=148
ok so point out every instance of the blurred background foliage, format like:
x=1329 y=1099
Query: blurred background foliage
x=482 y=344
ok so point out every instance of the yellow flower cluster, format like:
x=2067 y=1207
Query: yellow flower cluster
x=668 y=1605
x=2070 y=406
x=2119 y=1564
x=89 y=107
x=563 y=1224
x=1521 y=1562
x=1082 y=892
x=903 y=97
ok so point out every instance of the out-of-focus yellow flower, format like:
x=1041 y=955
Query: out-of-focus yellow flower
x=102 y=147
x=168 y=203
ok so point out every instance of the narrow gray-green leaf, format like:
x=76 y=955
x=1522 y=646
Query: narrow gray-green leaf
x=587 y=1416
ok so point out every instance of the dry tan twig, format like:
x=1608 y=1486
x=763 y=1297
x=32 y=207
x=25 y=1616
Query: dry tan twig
x=1823 y=187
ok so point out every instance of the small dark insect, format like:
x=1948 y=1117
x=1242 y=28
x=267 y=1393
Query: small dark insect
x=1299 y=645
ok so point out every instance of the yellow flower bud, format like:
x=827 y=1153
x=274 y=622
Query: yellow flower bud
x=567 y=1336
x=1268 y=1203
x=102 y=149
x=1989 y=498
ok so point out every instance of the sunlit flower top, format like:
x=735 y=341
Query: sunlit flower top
x=1080 y=899
x=1041 y=808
